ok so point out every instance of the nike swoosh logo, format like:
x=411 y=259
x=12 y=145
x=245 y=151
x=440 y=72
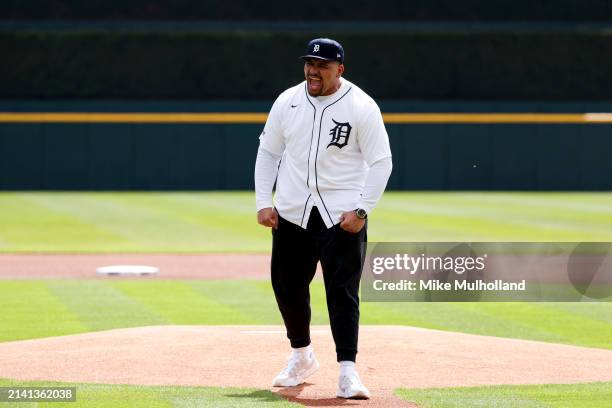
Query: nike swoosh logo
x=294 y=106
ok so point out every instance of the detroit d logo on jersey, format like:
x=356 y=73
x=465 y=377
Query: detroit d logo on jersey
x=340 y=134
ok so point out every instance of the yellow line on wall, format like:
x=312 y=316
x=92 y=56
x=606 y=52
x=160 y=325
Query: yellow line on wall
x=98 y=117
x=486 y=118
x=254 y=117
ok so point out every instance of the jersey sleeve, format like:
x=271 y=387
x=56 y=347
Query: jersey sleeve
x=372 y=136
x=271 y=138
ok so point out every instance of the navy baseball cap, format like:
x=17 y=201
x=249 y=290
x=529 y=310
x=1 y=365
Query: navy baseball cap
x=325 y=48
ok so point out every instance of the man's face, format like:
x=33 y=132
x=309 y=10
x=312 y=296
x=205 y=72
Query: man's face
x=322 y=77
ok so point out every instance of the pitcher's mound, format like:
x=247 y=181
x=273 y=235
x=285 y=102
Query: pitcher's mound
x=250 y=356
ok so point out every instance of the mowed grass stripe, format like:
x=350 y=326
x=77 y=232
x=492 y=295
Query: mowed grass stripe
x=598 y=202
x=131 y=217
x=453 y=215
x=133 y=228
x=503 y=216
x=25 y=220
x=241 y=202
x=586 y=395
x=179 y=303
x=225 y=222
x=30 y=310
x=458 y=317
x=394 y=226
x=43 y=308
x=253 y=299
x=486 y=205
x=99 y=306
x=568 y=328
x=530 y=321
x=541 y=322
x=545 y=213
x=595 y=311
x=138 y=396
x=158 y=223
x=191 y=213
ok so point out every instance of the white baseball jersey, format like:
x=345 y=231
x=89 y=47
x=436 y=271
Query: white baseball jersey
x=326 y=145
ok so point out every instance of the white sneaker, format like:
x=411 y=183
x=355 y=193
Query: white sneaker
x=299 y=367
x=350 y=386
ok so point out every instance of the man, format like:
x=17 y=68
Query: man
x=326 y=148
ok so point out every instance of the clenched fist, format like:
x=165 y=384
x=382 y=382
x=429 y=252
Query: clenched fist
x=268 y=217
x=351 y=223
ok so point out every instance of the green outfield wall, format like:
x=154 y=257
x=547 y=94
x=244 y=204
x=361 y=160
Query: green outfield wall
x=234 y=62
x=40 y=155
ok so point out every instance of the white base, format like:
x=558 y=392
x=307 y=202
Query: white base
x=127 y=270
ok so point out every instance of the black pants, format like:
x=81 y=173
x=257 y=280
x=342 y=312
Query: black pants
x=295 y=253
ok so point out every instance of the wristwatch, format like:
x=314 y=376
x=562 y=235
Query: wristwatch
x=361 y=213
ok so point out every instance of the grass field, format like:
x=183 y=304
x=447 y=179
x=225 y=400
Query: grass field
x=133 y=396
x=589 y=395
x=55 y=307
x=225 y=222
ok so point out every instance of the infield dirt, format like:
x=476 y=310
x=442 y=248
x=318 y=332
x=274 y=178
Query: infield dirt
x=250 y=356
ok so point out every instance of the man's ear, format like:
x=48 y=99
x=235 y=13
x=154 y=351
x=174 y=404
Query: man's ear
x=340 y=70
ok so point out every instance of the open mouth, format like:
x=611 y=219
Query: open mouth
x=314 y=84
